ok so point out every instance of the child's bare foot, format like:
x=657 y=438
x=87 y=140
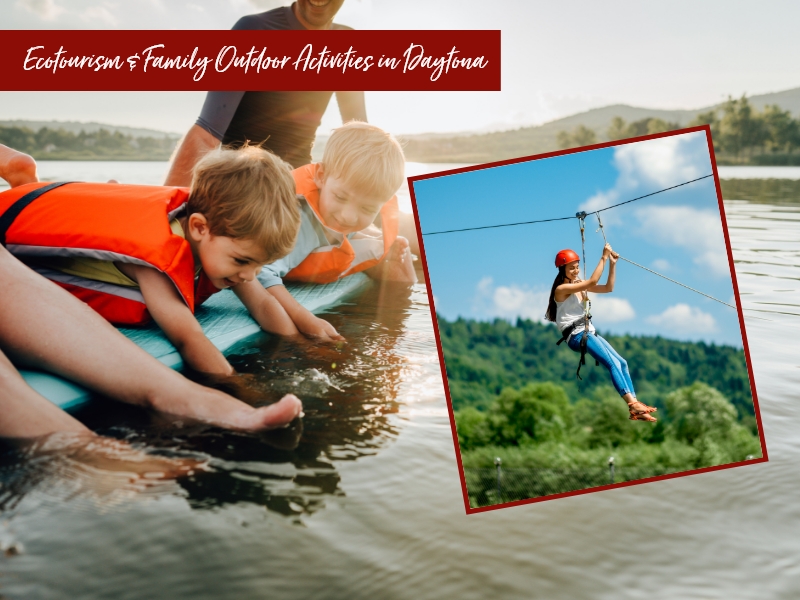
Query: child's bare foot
x=17 y=168
x=283 y=412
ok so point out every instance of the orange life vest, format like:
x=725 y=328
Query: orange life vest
x=114 y=222
x=334 y=262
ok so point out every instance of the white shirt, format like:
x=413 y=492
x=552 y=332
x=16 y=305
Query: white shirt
x=568 y=312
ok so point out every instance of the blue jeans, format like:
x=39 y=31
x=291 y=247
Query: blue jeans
x=599 y=349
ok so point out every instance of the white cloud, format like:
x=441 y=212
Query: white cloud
x=510 y=301
x=664 y=161
x=46 y=9
x=649 y=166
x=698 y=231
x=484 y=286
x=661 y=264
x=162 y=8
x=607 y=309
x=513 y=301
x=599 y=201
x=684 y=318
x=267 y=4
x=100 y=15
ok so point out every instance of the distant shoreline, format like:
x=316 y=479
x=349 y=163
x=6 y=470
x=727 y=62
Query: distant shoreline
x=49 y=157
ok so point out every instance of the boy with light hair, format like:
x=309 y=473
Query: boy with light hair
x=136 y=252
x=343 y=197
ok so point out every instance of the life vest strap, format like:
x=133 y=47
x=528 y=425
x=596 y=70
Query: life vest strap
x=9 y=216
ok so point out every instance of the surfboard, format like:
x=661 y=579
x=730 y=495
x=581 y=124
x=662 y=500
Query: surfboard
x=225 y=322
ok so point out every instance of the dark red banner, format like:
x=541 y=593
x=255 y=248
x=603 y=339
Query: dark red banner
x=73 y=60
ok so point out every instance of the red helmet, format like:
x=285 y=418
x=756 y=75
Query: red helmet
x=566 y=256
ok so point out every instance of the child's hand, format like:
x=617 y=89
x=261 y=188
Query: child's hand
x=607 y=251
x=319 y=329
x=398 y=265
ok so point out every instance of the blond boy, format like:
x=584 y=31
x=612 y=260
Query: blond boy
x=361 y=170
x=147 y=251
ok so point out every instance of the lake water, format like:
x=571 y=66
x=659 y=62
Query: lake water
x=368 y=504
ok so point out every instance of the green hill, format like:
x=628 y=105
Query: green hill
x=524 y=141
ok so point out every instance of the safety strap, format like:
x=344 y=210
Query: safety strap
x=568 y=331
x=582 y=361
x=12 y=212
x=586 y=316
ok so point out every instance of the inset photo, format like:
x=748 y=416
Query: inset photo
x=588 y=319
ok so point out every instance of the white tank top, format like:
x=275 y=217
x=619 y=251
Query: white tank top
x=568 y=312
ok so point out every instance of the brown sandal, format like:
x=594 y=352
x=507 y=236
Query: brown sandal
x=641 y=414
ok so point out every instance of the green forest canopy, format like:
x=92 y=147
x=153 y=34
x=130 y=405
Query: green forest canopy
x=483 y=358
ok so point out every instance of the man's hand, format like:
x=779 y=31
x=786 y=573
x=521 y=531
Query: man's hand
x=196 y=144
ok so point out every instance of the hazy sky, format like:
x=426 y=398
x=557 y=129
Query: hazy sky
x=507 y=272
x=558 y=57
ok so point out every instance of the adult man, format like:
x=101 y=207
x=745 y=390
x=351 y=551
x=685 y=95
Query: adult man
x=284 y=122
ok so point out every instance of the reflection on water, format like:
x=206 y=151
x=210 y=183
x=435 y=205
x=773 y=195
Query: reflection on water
x=349 y=390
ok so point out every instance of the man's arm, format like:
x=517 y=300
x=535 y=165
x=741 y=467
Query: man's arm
x=194 y=146
x=170 y=312
x=352 y=106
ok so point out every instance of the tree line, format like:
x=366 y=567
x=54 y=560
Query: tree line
x=60 y=144
x=740 y=133
x=484 y=357
x=537 y=426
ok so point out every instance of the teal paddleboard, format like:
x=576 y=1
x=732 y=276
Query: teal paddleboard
x=225 y=322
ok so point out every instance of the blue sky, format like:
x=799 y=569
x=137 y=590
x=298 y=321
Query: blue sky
x=507 y=272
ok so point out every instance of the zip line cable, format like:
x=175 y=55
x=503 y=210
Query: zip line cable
x=566 y=218
x=581 y=216
x=654 y=193
x=605 y=241
x=501 y=225
x=603 y=231
x=678 y=282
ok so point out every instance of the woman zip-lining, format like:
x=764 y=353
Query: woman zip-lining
x=568 y=309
